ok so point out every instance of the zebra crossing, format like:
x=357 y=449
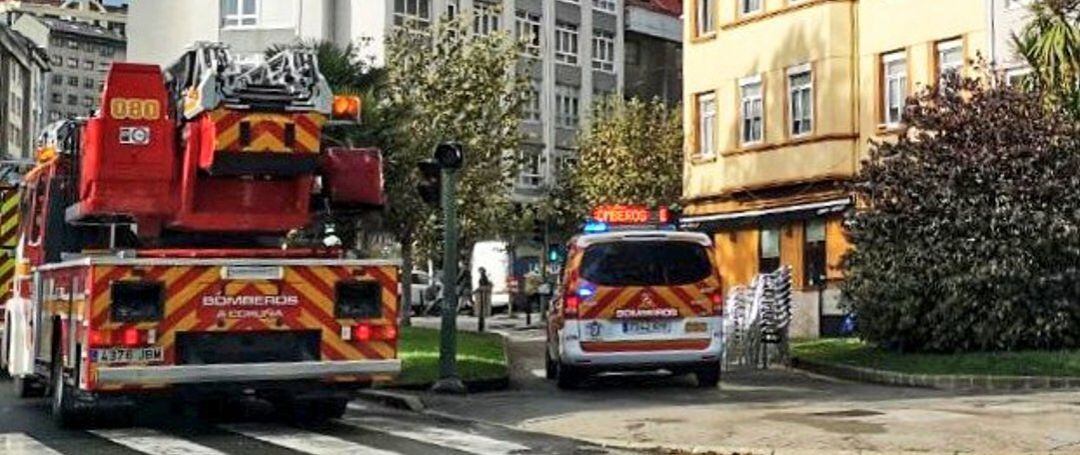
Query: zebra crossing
x=371 y=433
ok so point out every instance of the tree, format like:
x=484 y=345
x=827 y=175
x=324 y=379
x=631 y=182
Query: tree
x=967 y=235
x=446 y=84
x=1050 y=43
x=630 y=154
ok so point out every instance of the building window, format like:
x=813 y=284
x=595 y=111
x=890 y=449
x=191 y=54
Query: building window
x=485 y=20
x=800 y=93
x=531 y=173
x=603 y=51
x=88 y=65
x=72 y=44
x=54 y=116
x=706 y=124
x=814 y=253
x=706 y=17
x=73 y=81
x=769 y=250
x=239 y=13
x=453 y=7
x=604 y=5
x=532 y=111
x=749 y=6
x=57 y=79
x=72 y=62
x=89 y=83
x=88 y=101
x=57 y=60
x=72 y=100
x=107 y=51
x=566 y=159
x=894 y=91
x=950 y=58
x=752 y=107
x=1014 y=77
x=412 y=11
x=527 y=26
x=57 y=98
x=1014 y=4
x=566 y=106
x=566 y=43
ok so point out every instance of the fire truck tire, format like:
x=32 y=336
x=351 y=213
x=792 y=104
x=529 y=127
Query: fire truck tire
x=26 y=387
x=567 y=377
x=64 y=412
x=708 y=377
x=549 y=365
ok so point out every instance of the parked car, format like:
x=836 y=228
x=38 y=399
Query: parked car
x=418 y=288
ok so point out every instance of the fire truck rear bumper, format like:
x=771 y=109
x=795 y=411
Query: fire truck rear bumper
x=243 y=372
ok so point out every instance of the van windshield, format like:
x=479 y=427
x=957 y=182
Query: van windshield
x=646 y=263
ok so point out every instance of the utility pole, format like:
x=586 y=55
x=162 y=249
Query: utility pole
x=449 y=156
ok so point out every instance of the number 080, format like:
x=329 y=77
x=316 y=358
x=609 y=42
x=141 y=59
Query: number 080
x=134 y=109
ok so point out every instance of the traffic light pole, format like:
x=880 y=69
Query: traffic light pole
x=449 y=381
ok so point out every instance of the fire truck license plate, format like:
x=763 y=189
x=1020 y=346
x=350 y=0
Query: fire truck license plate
x=125 y=355
x=645 y=327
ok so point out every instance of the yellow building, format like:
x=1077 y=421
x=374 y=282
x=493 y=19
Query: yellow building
x=782 y=98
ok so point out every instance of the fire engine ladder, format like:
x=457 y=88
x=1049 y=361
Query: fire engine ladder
x=209 y=76
x=756 y=320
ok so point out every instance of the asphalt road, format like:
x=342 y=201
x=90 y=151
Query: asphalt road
x=252 y=428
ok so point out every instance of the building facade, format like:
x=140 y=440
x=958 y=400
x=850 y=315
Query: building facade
x=782 y=99
x=22 y=94
x=80 y=55
x=577 y=47
x=653 y=42
x=93 y=12
x=1007 y=19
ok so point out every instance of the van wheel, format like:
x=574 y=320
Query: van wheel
x=566 y=376
x=708 y=377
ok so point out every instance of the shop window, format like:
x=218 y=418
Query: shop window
x=769 y=250
x=814 y=254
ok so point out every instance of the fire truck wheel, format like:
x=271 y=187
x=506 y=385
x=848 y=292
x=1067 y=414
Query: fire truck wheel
x=549 y=365
x=64 y=412
x=708 y=377
x=566 y=376
x=26 y=387
x=334 y=408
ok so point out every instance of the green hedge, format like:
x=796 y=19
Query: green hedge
x=968 y=233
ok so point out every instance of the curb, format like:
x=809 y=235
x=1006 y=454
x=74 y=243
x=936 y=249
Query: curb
x=395 y=400
x=931 y=381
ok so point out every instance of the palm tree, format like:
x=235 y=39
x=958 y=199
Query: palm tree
x=1051 y=45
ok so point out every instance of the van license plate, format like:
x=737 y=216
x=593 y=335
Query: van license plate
x=126 y=355
x=645 y=327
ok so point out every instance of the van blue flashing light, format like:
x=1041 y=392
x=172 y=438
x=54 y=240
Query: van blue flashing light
x=595 y=227
x=585 y=292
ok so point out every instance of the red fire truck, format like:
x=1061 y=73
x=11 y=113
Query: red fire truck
x=158 y=253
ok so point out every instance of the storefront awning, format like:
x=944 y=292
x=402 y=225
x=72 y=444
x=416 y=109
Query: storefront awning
x=774 y=215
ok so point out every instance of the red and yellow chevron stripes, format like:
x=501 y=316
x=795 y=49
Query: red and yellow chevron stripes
x=267 y=131
x=9 y=217
x=310 y=287
x=7 y=274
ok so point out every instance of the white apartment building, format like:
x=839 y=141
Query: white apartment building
x=578 y=46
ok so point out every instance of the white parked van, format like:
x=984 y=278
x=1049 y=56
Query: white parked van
x=494 y=257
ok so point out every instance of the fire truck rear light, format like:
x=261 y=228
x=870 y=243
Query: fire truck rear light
x=363 y=332
x=95 y=337
x=389 y=333
x=130 y=337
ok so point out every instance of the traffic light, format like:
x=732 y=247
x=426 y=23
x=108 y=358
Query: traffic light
x=430 y=182
x=538 y=231
x=449 y=155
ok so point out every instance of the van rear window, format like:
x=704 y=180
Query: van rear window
x=646 y=263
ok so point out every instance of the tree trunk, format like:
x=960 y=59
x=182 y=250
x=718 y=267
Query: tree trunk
x=406 y=280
